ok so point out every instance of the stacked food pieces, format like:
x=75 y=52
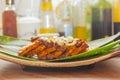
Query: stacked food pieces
x=53 y=47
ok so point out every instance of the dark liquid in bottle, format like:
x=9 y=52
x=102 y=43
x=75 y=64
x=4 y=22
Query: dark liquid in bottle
x=101 y=23
x=9 y=23
x=117 y=28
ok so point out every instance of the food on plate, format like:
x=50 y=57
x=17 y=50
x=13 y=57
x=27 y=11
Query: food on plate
x=53 y=47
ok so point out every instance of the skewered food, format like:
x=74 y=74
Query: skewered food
x=53 y=47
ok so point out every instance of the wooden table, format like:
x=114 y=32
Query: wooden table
x=107 y=70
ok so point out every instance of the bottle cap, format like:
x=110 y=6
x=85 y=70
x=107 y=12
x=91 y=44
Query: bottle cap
x=9 y=2
x=46 y=5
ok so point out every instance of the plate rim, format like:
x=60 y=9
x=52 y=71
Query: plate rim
x=59 y=64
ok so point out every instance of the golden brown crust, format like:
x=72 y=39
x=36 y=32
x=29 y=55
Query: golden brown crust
x=60 y=51
x=70 y=50
x=28 y=48
x=46 y=52
x=36 y=50
x=47 y=49
x=78 y=50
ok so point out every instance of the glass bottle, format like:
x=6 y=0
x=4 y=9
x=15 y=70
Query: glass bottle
x=9 y=19
x=28 y=18
x=88 y=19
x=79 y=20
x=116 y=15
x=101 y=19
x=47 y=18
x=64 y=14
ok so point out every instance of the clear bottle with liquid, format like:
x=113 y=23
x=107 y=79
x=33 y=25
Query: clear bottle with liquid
x=79 y=20
x=88 y=13
x=47 y=17
x=116 y=15
x=9 y=20
x=64 y=15
x=101 y=19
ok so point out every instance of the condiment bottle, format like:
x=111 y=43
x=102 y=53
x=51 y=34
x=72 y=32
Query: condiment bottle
x=79 y=20
x=116 y=15
x=9 y=20
x=88 y=19
x=64 y=14
x=47 y=18
x=101 y=19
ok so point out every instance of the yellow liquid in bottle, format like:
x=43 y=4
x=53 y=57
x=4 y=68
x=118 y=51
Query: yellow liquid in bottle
x=47 y=30
x=46 y=5
x=116 y=11
x=80 y=32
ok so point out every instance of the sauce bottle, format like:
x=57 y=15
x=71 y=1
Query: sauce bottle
x=47 y=18
x=116 y=15
x=101 y=19
x=79 y=20
x=9 y=20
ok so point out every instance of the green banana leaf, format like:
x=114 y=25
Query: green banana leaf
x=103 y=41
x=6 y=40
x=10 y=46
x=14 y=54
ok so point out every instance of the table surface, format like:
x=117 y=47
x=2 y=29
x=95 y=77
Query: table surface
x=106 y=70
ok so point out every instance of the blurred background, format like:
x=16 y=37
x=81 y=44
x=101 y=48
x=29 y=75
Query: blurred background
x=85 y=19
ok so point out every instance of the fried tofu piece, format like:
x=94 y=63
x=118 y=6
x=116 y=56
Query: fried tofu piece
x=28 y=48
x=54 y=55
x=78 y=50
x=70 y=50
x=46 y=51
x=36 y=50
x=59 y=52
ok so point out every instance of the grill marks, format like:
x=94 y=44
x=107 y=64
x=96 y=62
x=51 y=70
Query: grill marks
x=36 y=50
x=47 y=50
x=28 y=48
